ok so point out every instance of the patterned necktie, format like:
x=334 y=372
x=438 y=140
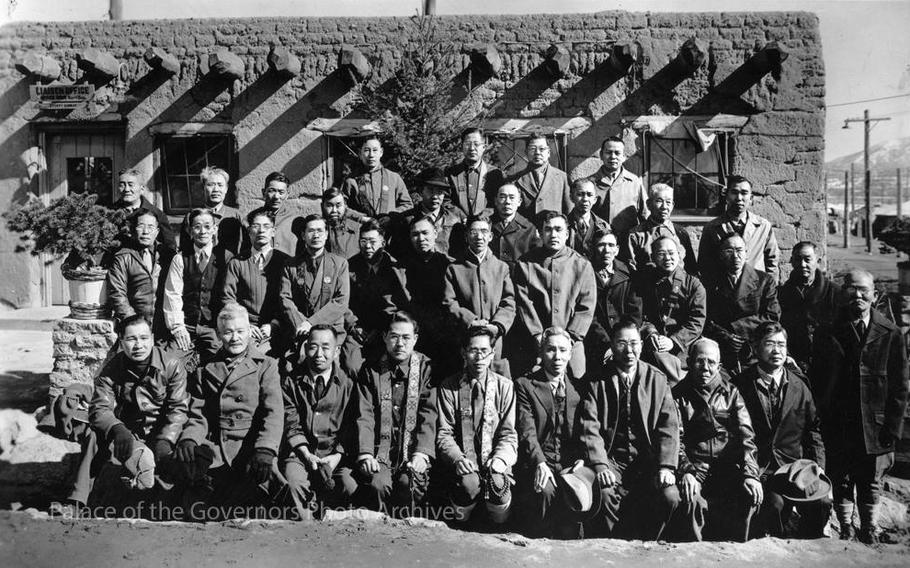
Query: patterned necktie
x=260 y=260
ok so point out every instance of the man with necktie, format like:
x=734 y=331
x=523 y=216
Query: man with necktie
x=583 y=223
x=543 y=187
x=636 y=249
x=473 y=182
x=229 y=230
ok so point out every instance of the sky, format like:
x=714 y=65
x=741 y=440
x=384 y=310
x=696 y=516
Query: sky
x=866 y=43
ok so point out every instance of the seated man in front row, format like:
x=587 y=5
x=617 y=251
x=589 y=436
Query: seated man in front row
x=630 y=430
x=396 y=423
x=476 y=440
x=137 y=412
x=235 y=421
x=548 y=437
x=786 y=426
x=718 y=473
x=319 y=415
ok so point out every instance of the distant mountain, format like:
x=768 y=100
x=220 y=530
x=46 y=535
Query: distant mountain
x=883 y=157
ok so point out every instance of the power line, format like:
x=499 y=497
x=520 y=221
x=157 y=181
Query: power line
x=868 y=100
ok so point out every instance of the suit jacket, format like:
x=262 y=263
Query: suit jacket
x=153 y=406
x=236 y=411
x=450 y=445
x=715 y=431
x=623 y=203
x=512 y=241
x=166 y=235
x=375 y=194
x=480 y=290
x=761 y=246
x=536 y=419
x=450 y=232
x=583 y=244
x=231 y=233
x=563 y=295
x=802 y=311
x=254 y=289
x=132 y=289
x=553 y=193
x=864 y=381
x=369 y=410
x=344 y=237
x=324 y=425
x=331 y=303
x=615 y=298
x=673 y=305
x=473 y=201
x=657 y=417
x=798 y=434
x=742 y=308
x=376 y=291
x=635 y=249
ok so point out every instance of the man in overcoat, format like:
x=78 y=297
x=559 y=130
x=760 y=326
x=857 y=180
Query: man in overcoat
x=543 y=187
x=473 y=182
x=343 y=231
x=583 y=223
x=513 y=234
x=636 y=249
x=621 y=196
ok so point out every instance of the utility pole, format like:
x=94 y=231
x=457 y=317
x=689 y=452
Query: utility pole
x=846 y=210
x=867 y=177
x=900 y=195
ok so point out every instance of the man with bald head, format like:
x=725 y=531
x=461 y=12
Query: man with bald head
x=740 y=299
x=859 y=375
x=718 y=471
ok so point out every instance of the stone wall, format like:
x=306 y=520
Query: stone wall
x=80 y=347
x=780 y=145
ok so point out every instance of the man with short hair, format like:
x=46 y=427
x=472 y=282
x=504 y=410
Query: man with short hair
x=860 y=379
x=547 y=412
x=132 y=199
x=737 y=302
x=756 y=232
x=786 y=427
x=343 y=230
x=448 y=221
x=718 y=472
x=135 y=279
x=636 y=250
x=396 y=423
x=554 y=287
x=543 y=187
x=673 y=307
x=620 y=194
x=137 y=413
x=583 y=223
x=228 y=221
x=476 y=442
x=252 y=280
x=319 y=421
x=235 y=423
x=473 y=182
x=375 y=191
x=630 y=430
x=513 y=234
x=479 y=290
x=808 y=300
x=275 y=194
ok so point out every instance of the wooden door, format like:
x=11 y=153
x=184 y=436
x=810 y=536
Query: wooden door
x=78 y=162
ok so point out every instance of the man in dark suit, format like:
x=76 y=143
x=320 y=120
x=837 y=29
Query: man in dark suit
x=582 y=222
x=616 y=295
x=860 y=378
x=513 y=234
x=786 y=428
x=473 y=181
x=132 y=200
x=547 y=404
x=636 y=249
x=229 y=231
x=630 y=430
x=396 y=423
x=673 y=308
x=808 y=300
x=135 y=280
x=718 y=472
x=448 y=221
x=234 y=424
x=343 y=230
x=738 y=301
x=252 y=280
x=543 y=187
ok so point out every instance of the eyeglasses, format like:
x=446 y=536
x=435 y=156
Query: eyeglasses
x=622 y=344
x=479 y=352
x=478 y=232
x=773 y=344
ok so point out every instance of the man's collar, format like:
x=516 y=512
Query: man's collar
x=478 y=258
x=266 y=250
x=207 y=248
x=473 y=167
x=216 y=208
x=775 y=376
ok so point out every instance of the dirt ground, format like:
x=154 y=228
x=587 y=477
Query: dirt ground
x=38 y=543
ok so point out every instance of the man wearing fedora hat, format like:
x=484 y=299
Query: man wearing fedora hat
x=786 y=428
x=717 y=465
x=859 y=374
x=447 y=220
x=630 y=430
x=548 y=441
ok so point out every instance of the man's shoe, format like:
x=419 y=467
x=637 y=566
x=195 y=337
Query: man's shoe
x=847 y=532
x=869 y=535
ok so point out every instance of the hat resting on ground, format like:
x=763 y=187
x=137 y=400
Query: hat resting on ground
x=802 y=481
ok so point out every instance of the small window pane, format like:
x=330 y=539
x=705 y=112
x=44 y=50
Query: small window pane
x=182 y=159
x=696 y=177
x=91 y=175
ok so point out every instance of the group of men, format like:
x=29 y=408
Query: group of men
x=506 y=348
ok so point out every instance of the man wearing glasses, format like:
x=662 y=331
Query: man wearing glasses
x=543 y=187
x=473 y=181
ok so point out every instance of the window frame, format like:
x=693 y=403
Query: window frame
x=161 y=175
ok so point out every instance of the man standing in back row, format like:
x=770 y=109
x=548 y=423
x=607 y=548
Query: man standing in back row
x=620 y=194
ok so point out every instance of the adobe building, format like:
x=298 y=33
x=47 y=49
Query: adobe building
x=695 y=96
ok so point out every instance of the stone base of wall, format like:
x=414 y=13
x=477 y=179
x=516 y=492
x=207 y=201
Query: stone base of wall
x=80 y=347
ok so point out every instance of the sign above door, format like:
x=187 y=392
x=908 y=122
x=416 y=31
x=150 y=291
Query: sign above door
x=61 y=97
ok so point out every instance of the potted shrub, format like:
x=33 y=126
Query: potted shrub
x=78 y=228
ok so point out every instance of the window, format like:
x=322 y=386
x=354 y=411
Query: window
x=91 y=175
x=181 y=158
x=344 y=157
x=696 y=175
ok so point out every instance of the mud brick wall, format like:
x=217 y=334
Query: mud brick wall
x=780 y=146
x=80 y=346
